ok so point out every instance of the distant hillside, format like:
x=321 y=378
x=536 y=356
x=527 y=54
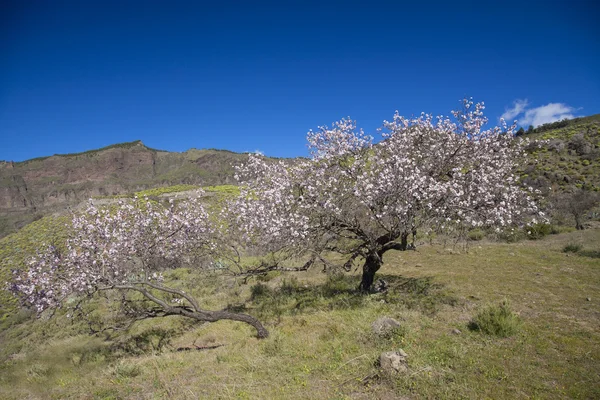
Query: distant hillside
x=564 y=155
x=37 y=187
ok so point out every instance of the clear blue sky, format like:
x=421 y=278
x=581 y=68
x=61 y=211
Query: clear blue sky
x=252 y=75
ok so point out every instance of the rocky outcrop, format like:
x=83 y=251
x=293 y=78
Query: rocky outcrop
x=55 y=183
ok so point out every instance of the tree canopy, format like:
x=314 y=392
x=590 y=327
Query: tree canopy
x=362 y=199
x=125 y=249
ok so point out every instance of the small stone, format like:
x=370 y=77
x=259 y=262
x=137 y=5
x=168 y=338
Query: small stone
x=380 y=286
x=418 y=266
x=588 y=298
x=384 y=326
x=402 y=353
x=393 y=362
x=456 y=331
x=511 y=254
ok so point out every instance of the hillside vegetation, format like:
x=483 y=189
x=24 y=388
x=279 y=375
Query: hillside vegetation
x=564 y=155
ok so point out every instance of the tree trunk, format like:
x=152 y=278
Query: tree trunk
x=404 y=241
x=371 y=266
x=578 y=224
x=193 y=312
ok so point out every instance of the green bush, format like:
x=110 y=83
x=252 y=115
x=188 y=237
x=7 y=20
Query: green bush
x=476 y=234
x=572 y=248
x=538 y=231
x=289 y=286
x=260 y=290
x=511 y=235
x=336 y=283
x=496 y=320
x=126 y=370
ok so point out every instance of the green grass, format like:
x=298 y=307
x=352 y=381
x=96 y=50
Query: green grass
x=165 y=190
x=321 y=344
x=227 y=190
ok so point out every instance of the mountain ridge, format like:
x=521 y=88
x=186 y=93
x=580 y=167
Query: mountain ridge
x=39 y=186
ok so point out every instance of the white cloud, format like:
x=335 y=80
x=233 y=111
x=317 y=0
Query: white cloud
x=551 y=112
x=518 y=107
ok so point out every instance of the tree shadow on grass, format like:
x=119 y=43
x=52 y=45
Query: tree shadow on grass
x=589 y=253
x=340 y=292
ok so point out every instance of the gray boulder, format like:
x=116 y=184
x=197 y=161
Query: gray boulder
x=384 y=326
x=393 y=362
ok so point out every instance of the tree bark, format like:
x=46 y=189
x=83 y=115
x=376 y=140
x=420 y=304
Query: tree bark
x=214 y=316
x=195 y=312
x=578 y=224
x=371 y=266
x=261 y=331
x=404 y=241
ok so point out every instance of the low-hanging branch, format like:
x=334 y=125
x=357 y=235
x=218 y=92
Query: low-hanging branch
x=126 y=248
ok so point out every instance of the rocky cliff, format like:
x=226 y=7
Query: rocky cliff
x=39 y=186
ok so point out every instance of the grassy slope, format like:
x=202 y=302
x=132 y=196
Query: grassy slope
x=321 y=345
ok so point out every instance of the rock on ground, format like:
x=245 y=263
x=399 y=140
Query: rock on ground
x=392 y=362
x=384 y=326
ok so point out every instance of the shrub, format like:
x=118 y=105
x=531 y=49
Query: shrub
x=164 y=190
x=288 y=287
x=496 y=320
x=125 y=370
x=336 y=283
x=476 y=234
x=538 y=231
x=511 y=235
x=260 y=290
x=571 y=248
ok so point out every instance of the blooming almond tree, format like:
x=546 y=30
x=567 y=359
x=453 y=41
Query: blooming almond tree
x=362 y=199
x=125 y=249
